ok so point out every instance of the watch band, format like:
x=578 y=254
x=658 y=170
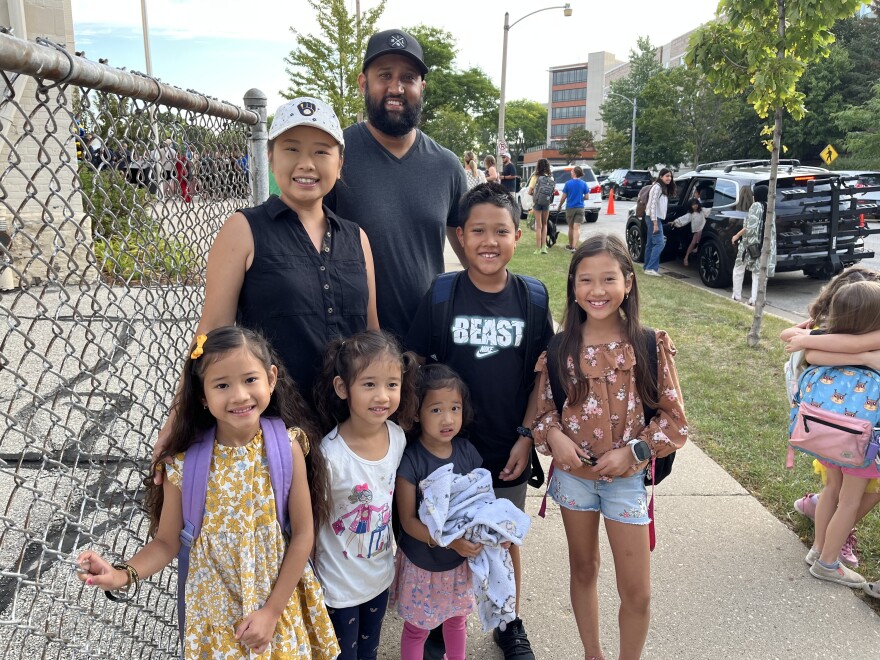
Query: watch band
x=524 y=431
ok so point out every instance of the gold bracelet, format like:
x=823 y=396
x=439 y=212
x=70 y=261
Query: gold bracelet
x=116 y=595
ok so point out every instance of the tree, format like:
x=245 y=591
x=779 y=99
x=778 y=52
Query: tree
x=612 y=151
x=767 y=44
x=455 y=130
x=525 y=125
x=327 y=65
x=452 y=97
x=862 y=126
x=616 y=112
x=578 y=140
x=688 y=122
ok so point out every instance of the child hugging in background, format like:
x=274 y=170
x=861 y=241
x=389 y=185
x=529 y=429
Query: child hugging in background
x=809 y=344
x=433 y=584
x=365 y=382
x=247 y=593
x=854 y=309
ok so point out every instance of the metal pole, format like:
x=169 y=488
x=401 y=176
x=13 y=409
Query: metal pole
x=258 y=158
x=146 y=27
x=503 y=90
x=632 y=146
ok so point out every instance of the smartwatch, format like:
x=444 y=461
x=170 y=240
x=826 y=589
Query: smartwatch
x=641 y=450
x=524 y=431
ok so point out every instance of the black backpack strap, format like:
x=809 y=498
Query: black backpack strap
x=441 y=314
x=556 y=386
x=536 y=301
x=650 y=339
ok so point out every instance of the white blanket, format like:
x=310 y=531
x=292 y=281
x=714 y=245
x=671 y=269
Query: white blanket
x=456 y=506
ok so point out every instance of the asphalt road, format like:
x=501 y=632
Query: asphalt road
x=788 y=294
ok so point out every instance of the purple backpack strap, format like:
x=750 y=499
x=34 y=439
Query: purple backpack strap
x=194 y=490
x=277 y=446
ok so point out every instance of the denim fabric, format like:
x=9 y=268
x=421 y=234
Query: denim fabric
x=653 y=244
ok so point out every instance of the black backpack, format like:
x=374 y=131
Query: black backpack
x=662 y=466
x=530 y=290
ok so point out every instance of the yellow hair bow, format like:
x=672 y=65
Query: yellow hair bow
x=198 y=350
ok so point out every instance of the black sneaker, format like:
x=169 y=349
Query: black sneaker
x=435 y=647
x=513 y=641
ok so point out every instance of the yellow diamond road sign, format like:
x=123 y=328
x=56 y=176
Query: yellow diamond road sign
x=828 y=154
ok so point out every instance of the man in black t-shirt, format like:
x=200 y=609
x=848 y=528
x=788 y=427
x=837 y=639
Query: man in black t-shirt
x=508 y=173
x=398 y=185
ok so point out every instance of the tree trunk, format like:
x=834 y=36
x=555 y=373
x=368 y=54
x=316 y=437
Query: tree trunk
x=770 y=215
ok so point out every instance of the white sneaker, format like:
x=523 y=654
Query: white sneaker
x=840 y=575
x=652 y=273
x=812 y=556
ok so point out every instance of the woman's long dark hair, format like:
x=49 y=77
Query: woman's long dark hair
x=667 y=189
x=347 y=358
x=543 y=168
x=192 y=418
x=575 y=317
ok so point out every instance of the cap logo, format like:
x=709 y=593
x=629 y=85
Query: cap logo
x=397 y=41
x=306 y=108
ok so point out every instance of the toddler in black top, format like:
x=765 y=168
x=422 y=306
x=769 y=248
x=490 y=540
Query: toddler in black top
x=433 y=585
x=487 y=343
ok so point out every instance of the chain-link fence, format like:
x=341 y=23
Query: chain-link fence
x=112 y=188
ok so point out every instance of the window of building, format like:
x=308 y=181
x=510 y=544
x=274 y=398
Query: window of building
x=577 y=94
x=568 y=113
x=561 y=130
x=569 y=77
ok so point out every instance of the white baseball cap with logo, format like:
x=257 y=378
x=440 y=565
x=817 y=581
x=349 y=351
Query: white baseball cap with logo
x=306 y=111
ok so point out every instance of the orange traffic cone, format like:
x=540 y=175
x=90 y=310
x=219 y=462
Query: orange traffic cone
x=610 y=209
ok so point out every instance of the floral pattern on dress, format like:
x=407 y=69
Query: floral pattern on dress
x=611 y=413
x=235 y=560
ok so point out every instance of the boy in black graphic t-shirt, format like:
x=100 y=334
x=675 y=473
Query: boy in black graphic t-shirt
x=486 y=345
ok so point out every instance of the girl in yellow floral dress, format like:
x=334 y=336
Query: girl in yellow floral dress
x=250 y=593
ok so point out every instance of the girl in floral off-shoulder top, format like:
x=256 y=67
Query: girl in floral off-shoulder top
x=602 y=422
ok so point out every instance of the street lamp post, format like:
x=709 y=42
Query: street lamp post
x=632 y=144
x=566 y=8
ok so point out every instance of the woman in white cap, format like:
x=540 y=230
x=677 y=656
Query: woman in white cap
x=290 y=268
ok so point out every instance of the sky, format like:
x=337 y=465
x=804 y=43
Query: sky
x=223 y=50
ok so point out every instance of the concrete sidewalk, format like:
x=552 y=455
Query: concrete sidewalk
x=728 y=580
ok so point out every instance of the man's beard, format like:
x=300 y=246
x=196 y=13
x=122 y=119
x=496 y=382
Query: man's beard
x=393 y=124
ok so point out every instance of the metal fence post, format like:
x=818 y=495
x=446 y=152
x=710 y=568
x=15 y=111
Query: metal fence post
x=255 y=101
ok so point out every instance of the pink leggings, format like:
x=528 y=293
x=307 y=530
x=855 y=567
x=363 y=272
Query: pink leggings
x=412 y=641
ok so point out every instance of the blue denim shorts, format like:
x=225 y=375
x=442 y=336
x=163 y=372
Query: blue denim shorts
x=623 y=500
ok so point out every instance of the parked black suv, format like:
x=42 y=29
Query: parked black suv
x=818 y=225
x=625 y=183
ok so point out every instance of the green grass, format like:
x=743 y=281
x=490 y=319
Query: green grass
x=734 y=395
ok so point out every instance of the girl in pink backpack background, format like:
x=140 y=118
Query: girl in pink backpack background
x=247 y=591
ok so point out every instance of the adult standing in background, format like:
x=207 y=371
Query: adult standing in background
x=508 y=173
x=655 y=214
x=471 y=172
x=399 y=185
x=491 y=172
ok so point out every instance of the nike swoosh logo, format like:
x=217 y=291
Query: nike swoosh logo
x=486 y=351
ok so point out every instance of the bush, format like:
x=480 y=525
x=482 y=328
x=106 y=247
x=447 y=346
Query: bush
x=116 y=206
x=129 y=242
x=147 y=259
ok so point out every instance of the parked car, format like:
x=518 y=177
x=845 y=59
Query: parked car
x=865 y=179
x=817 y=219
x=625 y=183
x=592 y=203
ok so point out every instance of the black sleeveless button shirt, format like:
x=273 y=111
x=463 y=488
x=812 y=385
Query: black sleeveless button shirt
x=299 y=297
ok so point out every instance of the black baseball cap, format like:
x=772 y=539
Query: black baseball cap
x=394 y=42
